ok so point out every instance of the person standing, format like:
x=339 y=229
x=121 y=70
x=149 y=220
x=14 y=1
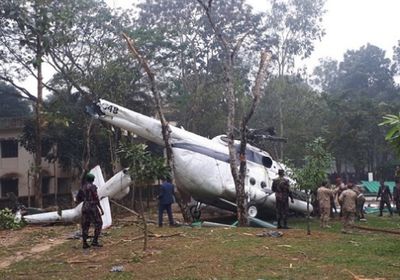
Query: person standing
x=386 y=196
x=360 y=203
x=282 y=191
x=348 y=200
x=91 y=211
x=166 y=198
x=396 y=195
x=339 y=188
x=397 y=173
x=324 y=198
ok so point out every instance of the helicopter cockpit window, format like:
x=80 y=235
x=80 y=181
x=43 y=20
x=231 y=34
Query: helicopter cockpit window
x=256 y=157
x=252 y=181
x=267 y=162
x=263 y=185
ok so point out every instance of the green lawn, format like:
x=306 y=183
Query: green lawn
x=217 y=253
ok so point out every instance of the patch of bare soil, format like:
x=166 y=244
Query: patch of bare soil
x=30 y=241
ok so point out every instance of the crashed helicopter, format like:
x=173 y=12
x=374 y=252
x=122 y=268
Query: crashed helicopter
x=116 y=187
x=201 y=165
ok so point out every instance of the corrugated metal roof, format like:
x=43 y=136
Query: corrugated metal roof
x=373 y=186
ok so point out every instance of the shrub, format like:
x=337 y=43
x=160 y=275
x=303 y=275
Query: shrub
x=8 y=221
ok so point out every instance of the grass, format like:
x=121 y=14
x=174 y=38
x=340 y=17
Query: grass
x=214 y=253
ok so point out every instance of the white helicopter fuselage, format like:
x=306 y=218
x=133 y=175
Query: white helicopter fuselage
x=116 y=187
x=202 y=166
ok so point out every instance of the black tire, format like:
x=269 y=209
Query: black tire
x=195 y=213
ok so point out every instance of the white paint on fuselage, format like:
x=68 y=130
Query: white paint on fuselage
x=202 y=175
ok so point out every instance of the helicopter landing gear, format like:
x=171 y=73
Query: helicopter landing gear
x=252 y=210
x=195 y=211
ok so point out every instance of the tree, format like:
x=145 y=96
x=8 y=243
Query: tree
x=396 y=57
x=393 y=135
x=11 y=105
x=231 y=35
x=24 y=38
x=188 y=55
x=358 y=92
x=293 y=27
x=366 y=70
x=315 y=169
x=144 y=169
x=303 y=115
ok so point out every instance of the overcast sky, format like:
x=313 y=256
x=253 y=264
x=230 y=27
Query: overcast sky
x=349 y=24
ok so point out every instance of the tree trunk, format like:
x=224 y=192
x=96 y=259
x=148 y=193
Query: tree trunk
x=308 y=213
x=37 y=186
x=145 y=230
x=164 y=124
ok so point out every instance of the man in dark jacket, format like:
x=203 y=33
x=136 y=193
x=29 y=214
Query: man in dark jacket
x=282 y=191
x=166 y=198
x=91 y=211
x=386 y=196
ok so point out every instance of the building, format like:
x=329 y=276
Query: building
x=16 y=175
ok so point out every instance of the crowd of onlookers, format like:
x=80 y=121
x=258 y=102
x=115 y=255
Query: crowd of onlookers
x=348 y=200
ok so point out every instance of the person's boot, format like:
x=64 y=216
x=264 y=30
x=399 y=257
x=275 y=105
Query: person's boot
x=285 y=224
x=85 y=245
x=279 y=223
x=95 y=243
x=380 y=214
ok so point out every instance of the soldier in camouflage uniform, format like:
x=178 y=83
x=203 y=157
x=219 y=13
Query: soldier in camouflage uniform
x=339 y=188
x=282 y=191
x=325 y=200
x=360 y=203
x=91 y=211
x=386 y=196
x=348 y=200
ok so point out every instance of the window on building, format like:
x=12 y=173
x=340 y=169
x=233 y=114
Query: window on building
x=64 y=185
x=9 y=148
x=45 y=185
x=9 y=185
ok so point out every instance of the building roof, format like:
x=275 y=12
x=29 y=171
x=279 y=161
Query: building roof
x=12 y=123
x=373 y=186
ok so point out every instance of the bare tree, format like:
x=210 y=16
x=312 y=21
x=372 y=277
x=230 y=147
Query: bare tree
x=230 y=50
x=164 y=124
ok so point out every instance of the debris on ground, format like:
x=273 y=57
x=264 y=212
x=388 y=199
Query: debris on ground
x=270 y=233
x=117 y=268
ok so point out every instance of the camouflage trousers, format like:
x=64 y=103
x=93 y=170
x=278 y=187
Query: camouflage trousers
x=324 y=213
x=348 y=221
x=91 y=215
x=282 y=209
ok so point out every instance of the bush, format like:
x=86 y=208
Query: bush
x=8 y=221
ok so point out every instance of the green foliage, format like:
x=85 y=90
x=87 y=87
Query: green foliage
x=300 y=107
x=143 y=166
x=11 y=104
x=294 y=26
x=358 y=91
x=393 y=135
x=7 y=220
x=317 y=163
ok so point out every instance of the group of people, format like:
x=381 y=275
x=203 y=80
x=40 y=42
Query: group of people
x=351 y=201
x=350 y=198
